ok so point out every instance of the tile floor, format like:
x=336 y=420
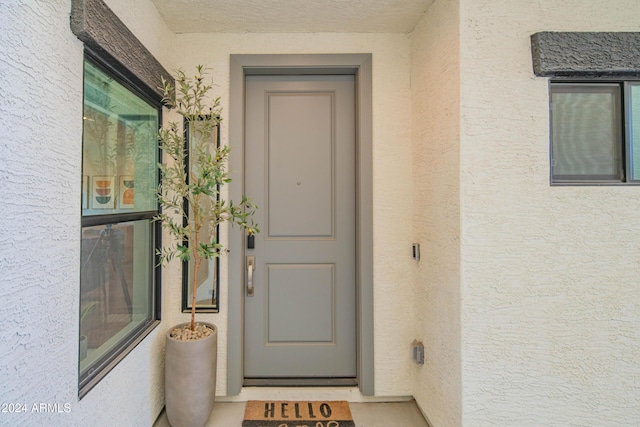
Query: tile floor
x=393 y=414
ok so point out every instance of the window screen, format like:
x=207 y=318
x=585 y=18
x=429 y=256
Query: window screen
x=586 y=132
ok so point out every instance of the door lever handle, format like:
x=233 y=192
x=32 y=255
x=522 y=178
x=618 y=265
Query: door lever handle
x=251 y=266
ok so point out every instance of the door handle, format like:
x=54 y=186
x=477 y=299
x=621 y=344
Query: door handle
x=251 y=266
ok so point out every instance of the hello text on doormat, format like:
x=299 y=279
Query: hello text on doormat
x=260 y=413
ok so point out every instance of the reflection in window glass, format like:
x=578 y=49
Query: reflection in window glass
x=634 y=143
x=119 y=150
x=116 y=286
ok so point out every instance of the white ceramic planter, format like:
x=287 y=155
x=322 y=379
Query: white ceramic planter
x=190 y=379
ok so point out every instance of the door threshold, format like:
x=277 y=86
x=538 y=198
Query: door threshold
x=300 y=382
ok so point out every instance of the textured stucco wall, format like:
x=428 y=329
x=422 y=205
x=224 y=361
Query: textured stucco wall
x=41 y=80
x=392 y=180
x=41 y=117
x=550 y=298
x=549 y=304
x=435 y=87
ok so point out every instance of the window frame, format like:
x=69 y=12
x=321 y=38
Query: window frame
x=624 y=128
x=111 y=358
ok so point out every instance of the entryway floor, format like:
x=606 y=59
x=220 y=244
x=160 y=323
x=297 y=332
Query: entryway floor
x=393 y=414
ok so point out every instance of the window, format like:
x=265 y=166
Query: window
x=118 y=277
x=593 y=129
x=208 y=288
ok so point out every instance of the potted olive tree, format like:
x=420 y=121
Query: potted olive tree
x=193 y=174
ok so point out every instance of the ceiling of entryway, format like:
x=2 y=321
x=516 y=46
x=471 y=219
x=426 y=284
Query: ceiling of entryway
x=292 y=16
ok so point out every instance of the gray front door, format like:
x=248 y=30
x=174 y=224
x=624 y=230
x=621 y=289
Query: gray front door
x=300 y=171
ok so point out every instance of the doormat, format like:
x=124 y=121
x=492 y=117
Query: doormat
x=261 y=413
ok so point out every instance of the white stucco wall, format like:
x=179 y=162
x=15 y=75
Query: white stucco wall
x=551 y=302
x=391 y=186
x=435 y=90
x=41 y=66
x=41 y=79
x=526 y=296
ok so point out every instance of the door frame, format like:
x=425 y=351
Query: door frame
x=359 y=65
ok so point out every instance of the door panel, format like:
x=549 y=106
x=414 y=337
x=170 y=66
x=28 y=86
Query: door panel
x=314 y=286
x=300 y=171
x=300 y=165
